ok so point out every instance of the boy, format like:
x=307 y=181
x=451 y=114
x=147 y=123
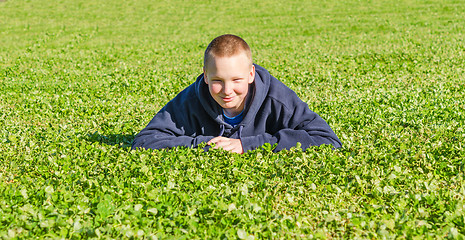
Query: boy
x=235 y=105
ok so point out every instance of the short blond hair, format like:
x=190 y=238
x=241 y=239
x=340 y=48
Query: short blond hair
x=226 y=46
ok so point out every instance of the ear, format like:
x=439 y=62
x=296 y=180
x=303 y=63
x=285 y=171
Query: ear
x=205 y=76
x=252 y=74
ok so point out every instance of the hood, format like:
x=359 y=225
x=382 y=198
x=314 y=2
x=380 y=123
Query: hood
x=214 y=110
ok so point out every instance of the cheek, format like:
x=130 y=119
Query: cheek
x=215 y=88
x=242 y=89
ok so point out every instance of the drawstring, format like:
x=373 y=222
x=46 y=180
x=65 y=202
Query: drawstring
x=222 y=130
x=240 y=131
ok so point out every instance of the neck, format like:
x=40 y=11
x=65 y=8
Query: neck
x=232 y=112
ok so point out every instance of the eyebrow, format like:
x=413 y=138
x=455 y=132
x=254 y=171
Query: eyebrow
x=217 y=77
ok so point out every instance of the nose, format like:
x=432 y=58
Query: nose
x=227 y=89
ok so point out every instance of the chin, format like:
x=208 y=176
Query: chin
x=227 y=107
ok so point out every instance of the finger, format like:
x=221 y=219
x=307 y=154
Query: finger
x=226 y=144
x=228 y=147
x=218 y=139
x=214 y=140
x=218 y=146
x=222 y=143
x=233 y=149
x=232 y=146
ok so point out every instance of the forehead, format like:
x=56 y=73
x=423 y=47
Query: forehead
x=235 y=62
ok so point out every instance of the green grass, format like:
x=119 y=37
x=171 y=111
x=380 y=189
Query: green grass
x=78 y=79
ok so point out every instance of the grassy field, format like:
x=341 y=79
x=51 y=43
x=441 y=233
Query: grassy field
x=78 y=79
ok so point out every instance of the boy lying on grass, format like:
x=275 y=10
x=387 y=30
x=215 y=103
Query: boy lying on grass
x=235 y=105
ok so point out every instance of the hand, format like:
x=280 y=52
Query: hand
x=228 y=144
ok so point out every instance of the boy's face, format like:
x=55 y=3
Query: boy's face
x=228 y=80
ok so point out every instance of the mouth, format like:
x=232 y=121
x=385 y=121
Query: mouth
x=228 y=99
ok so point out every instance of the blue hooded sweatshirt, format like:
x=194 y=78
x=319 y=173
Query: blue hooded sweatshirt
x=275 y=114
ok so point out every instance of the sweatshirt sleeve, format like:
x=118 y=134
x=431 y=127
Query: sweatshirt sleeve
x=302 y=125
x=167 y=130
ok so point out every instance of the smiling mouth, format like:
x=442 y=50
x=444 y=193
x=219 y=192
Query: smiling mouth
x=228 y=99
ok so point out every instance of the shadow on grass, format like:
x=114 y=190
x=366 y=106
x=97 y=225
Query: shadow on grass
x=122 y=140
